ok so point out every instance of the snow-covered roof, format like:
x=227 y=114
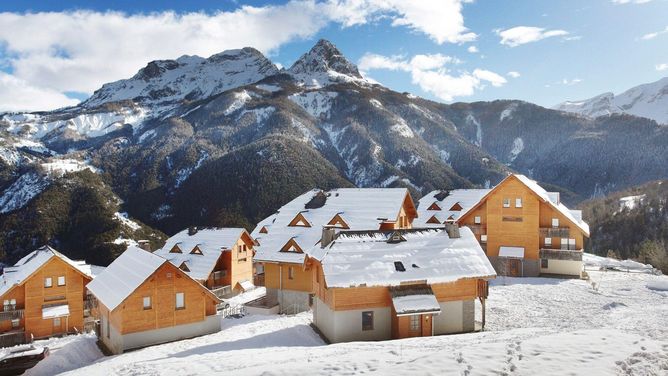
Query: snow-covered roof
x=211 y=242
x=124 y=275
x=357 y=258
x=55 y=311
x=29 y=264
x=359 y=208
x=411 y=299
x=466 y=198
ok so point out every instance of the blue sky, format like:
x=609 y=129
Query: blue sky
x=55 y=53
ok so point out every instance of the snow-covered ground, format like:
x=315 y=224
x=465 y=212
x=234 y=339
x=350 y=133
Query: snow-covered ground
x=613 y=324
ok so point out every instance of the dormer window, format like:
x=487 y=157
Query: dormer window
x=175 y=249
x=184 y=267
x=299 y=221
x=338 y=221
x=292 y=246
x=456 y=207
x=396 y=237
x=434 y=206
x=450 y=218
x=264 y=230
x=433 y=220
x=196 y=251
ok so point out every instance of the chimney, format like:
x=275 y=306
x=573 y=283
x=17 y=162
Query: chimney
x=192 y=230
x=145 y=245
x=328 y=235
x=452 y=230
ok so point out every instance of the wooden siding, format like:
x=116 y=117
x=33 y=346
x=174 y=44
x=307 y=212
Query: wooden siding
x=31 y=296
x=162 y=287
x=302 y=280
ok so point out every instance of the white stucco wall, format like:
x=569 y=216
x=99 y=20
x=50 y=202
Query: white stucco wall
x=346 y=326
x=210 y=324
x=451 y=318
x=563 y=267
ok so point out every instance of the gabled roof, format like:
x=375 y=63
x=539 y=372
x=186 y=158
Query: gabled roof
x=367 y=258
x=124 y=275
x=210 y=241
x=464 y=198
x=574 y=216
x=360 y=208
x=29 y=264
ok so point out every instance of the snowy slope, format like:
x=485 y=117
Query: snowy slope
x=324 y=65
x=613 y=324
x=648 y=100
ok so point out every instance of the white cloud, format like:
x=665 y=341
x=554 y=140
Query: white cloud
x=519 y=35
x=18 y=95
x=655 y=34
x=431 y=74
x=661 y=67
x=570 y=82
x=81 y=50
x=472 y=49
x=513 y=74
x=631 y=1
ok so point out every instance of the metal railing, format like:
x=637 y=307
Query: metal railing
x=13 y=314
x=235 y=311
x=294 y=308
x=222 y=292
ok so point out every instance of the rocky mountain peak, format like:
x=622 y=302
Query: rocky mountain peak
x=324 y=57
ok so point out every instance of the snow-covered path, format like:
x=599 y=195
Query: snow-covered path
x=535 y=326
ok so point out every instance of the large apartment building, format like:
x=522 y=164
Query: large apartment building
x=527 y=231
x=285 y=238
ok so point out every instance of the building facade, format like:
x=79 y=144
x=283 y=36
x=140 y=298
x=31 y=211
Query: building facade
x=143 y=299
x=527 y=231
x=42 y=295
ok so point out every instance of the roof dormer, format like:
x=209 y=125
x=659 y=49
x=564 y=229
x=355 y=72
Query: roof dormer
x=184 y=267
x=292 y=246
x=433 y=220
x=264 y=230
x=434 y=206
x=456 y=207
x=299 y=221
x=338 y=221
x=396 y=237
x=175 y=249
x=196 y=251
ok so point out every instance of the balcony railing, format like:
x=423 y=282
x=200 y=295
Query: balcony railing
x=11 y=314
x=561 y=254
x=555 y=232
x=222 y=292
x=13 y=338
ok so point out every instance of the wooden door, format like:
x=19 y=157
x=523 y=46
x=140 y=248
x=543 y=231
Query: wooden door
x=58 y=324
x=415 y=326
x=514 y=267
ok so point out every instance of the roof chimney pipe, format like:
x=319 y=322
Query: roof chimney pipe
x=453 y=230
x=145 y=245
x=328 y=235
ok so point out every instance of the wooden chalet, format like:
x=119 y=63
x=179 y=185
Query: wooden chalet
x=380 y=285
x=527 y=231
x=221 y=259
x=440 y=207
x=42 y=295
x=285 y=238
x=143 y=299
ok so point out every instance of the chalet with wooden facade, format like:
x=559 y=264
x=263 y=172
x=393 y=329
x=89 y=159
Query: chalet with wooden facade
x=42 y=295
x=143 y=299
x=440 y=207
x=527 y=231
x=221 y=259
x=379 y=285
x=285 y=238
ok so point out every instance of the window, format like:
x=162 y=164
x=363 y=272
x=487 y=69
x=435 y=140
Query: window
x=544 y=263
x=61 y=280
x=477 y=219
x=56 y=321
x=506 y=202
x=15 y=323
x=548 y=241
x=239 y=261
x=415 y=323
x=147 y=302
x=367 y=320
x=217 y=275
x=571 y=244
x=518 y=202
x=180 y=301
x=483 y=238
x=564 y=243
x=48 y=282
x=291 y=272
x=555 y=222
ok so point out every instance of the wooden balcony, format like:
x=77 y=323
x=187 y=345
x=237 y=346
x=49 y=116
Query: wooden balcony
x=555 y=232
x=11 y=314
x=561 y=254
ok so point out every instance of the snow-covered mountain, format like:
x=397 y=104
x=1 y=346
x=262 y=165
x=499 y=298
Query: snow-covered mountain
x=648 y=100
x=229 y=139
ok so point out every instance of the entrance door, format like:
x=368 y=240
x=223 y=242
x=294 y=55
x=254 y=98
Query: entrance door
x=415 y=326
x=514 y=267
x=58 y=323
